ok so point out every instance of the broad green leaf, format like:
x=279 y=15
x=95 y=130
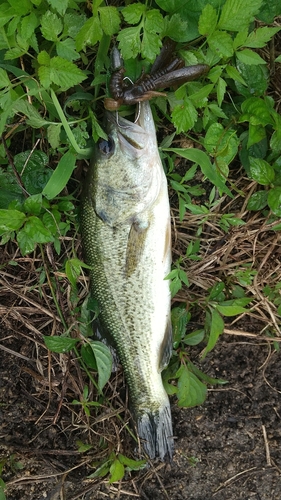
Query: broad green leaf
x=194 y=338
x=11 y=220
x=35 y=230
x=21 y=8
x=109 y=19
x=238 y=14
x=216 y=329
x=256 y=111
x=60 y=6
x=53 y=134
x=150 y=45
x=34 y=118
x=88 y=356
x=4 y=79
x=44 y=58
x=208 y=20
x=51 y=26
x=89 y=34
x=261 y=36
x=191 y=391
x=33 y=204
x=257 y=201
x=204 y=376
x=133 y=13
x=130 y=463
x=274 y=200
x=221 y=89
x=175 y=28
x=221 y=44
x=103 y=360
x=247 y=56
x=256 y=134
x=261 y=171
x=184 y=116
x=28 y=25
x=64 y=73
x=230 y=310
x=66 y=49
x=117 y=471
x=60 y=176
x=179 y=318
x=15 y=53
x=59 y=344
x=269 y=11
x=221 y=144
x=129 y=42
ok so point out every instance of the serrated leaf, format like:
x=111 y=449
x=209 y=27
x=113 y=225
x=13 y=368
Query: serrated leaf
x=64 y=73
x=221 y=44
x=191 y=391
x=129 y=42
x=257 y=201
x=247 y=56
x=175 y=28
x=60 y=176
x=109 y=19
x=20 y=8
x=184 y=116
x=33 y=117
x=43 y=58
x=216 y=329
x=89 y=34
x=60 y=6
x=4 y=79
x=274 y=200
x=133 y=13
x=208 y=20
x=11 y=220
x=14 y=53
x=59 y=344
x=44 y=73
x=260 y=37
x=235 y=75
x=117 y=471
x=150 y=46
x=66 y=49
x=53 y=134
x=35 y=230
x=51 y=26
x=104 y=362
x=238 y=14
x=28 y=25
x=261 y=171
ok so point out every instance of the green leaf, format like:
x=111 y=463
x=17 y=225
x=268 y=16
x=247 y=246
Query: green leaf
x=11 y=220
x=221 y=144
x=104 y=362
x=150 y=45
x=89 y=34
x=60 y=6
x=194 y=338
x=34 y=118
x=117 y=471
x=257 y=201
x=209 y=170
x=184 y=116
x=129 y=42
x=191 y=391
x=60 y=176
x=274 y=200
x=221 y=44
x=28 y=25
x=51 y=26
x=66 y=49
x=216 y=329
x=133 y=13
x=20 y=8
x=175 y=28
x=64 y=73
x=35 y=231
x=247 y=56
x=130 y=463
x=208 y=20
x=109 y=19
x=53 y=134
x=230 y=310
x=238 y=14
x=60 y=344
x=256 y=111
x=4 y=79
x=260 y=37
x=261 y=171
x=33 y=204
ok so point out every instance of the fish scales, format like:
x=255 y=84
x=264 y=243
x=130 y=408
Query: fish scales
x=125 y=225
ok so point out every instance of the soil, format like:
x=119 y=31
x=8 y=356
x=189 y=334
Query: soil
x=228 y=448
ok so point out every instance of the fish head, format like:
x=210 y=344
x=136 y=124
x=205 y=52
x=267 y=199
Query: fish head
x=126 y=173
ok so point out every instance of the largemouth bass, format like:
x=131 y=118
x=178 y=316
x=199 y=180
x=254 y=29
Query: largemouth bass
x=125 y=224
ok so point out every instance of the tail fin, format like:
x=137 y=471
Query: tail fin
x=156 y=432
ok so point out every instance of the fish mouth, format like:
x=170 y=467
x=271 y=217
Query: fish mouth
x=132 y=135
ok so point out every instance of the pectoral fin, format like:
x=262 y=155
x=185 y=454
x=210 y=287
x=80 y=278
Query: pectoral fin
x=135 y=246
x=166 y=346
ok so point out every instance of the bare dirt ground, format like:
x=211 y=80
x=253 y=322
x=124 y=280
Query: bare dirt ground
x=228 y=448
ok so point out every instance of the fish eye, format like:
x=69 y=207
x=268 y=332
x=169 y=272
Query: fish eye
x=106 y=146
